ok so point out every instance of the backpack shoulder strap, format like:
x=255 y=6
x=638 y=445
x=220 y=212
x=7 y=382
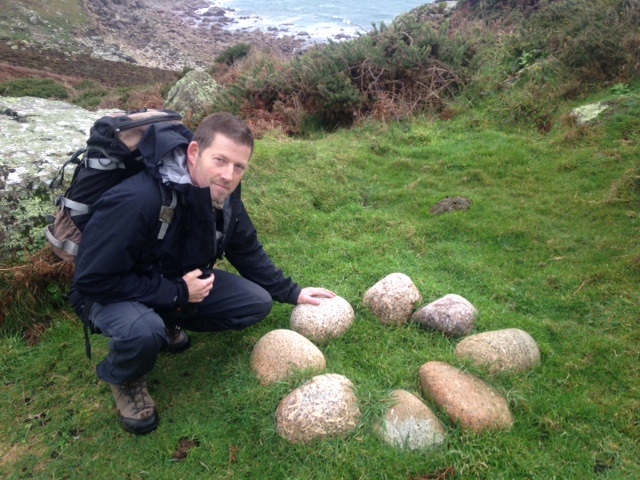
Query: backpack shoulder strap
x=167 y=210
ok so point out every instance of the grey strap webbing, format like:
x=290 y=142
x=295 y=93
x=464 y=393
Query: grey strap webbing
x=103 y=163
x=65 y=245
x=166 y=215
x=76 y=208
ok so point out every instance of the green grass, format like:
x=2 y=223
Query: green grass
x=550 y=245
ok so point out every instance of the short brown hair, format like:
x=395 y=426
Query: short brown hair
x=226 y=124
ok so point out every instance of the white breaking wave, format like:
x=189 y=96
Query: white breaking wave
x=319 y=20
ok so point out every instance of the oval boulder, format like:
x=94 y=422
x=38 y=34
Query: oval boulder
x=510 y=349
x=410 y=423
x=324 y=407
x=320 y=323
x=452 y=315
x=393 y=299
x=466 y=399
x=282 y=352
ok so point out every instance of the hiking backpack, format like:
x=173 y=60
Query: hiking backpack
x=111 y=156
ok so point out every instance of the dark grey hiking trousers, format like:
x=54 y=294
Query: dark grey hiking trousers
x=138 y=334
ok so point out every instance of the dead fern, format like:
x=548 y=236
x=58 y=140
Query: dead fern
x=29 y=290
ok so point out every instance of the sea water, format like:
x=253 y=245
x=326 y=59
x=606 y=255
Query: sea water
x=320 y=19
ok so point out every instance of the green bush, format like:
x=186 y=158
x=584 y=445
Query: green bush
x=597 y=41
x=33 y=87
x=234 y=53
x=90 y=95
x=259 y=86
x=410 y=63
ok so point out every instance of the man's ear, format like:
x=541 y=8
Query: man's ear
x=192 y=153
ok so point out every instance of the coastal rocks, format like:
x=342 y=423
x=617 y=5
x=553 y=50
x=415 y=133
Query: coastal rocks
x=465 y=398
x=320 y=323
x=452 y=315
x=324 y=407
x=280 y=353
x=172 y=34
x=510 y=349
x=393 y=299
x=192 y=94
x=410 y=424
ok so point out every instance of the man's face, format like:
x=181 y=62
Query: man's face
x=220 y=166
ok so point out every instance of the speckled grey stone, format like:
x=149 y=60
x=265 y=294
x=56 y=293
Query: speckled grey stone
x=280 y=353
x=452 y=315
x=324 y=407
x=320 y=323
x=410 y=424
x=393 y=299
x=465 y=398
x=510 y=349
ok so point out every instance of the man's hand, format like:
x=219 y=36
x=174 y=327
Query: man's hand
x=198 y=288
x=313 y=296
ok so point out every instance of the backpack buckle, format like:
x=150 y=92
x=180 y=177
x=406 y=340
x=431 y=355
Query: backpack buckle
x=166 y=214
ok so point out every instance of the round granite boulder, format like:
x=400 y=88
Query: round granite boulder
x=452 y=315
x=465 y=398
x=320 y=323
x=510 y=349
x=410 y=424
x=393 y=299
x=324 y=407
x=281 y=352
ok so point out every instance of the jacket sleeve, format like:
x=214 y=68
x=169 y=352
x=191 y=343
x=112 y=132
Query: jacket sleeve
x=246 y=254
x=123 y=223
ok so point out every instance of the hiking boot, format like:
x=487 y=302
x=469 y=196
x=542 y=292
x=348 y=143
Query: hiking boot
x=178 y=341
x=136 y=408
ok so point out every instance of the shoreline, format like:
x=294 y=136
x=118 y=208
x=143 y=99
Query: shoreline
x=173 y=34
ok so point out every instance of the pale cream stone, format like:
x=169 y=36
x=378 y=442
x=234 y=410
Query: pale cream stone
x=466 y=399
x=510 y=349
x=280 y=353
x=393 y=299
x=321 y=323
x=410 y=424
x=324 y=407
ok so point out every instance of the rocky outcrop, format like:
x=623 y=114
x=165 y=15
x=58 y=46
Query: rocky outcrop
x=38 y=137
x=192 y=94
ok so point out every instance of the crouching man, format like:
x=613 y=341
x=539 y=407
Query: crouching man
x=143 y=293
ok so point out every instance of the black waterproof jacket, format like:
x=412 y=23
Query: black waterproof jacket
x=120 y=257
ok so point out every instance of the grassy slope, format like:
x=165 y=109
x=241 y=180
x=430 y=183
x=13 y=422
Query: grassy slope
x=55 y=20
x=549 y=246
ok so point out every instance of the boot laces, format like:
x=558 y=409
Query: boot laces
x=137 y=394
